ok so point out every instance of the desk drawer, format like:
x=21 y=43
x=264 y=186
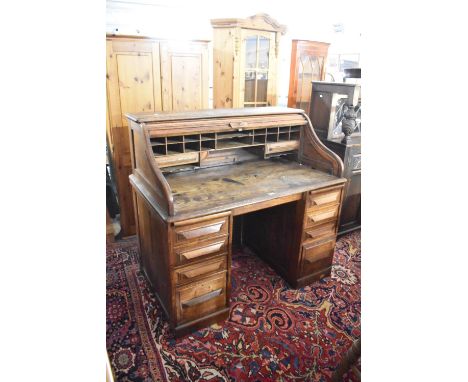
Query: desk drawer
x=322 y=215
x=200 y=298
x=279 y=147
x=317 y=256
x=176 y=159
x=193 y=272
x=321 y=198
x=196 y=230
x=201 y=250
x=319 y=232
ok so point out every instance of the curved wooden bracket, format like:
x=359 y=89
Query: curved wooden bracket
x=315 y=154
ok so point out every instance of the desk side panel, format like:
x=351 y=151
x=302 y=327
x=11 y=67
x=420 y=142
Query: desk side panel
x=153 y=237
x=145 y=167
x=315 y=154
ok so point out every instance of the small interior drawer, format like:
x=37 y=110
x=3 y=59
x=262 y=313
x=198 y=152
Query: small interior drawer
x=188 y=232
x=318 y=232
x=317 y=256
x=194 y=272
x=317 y=199
x=322 y=215
x=279 y=147
x=177 y=159
x=202 y=297
x=201 y=250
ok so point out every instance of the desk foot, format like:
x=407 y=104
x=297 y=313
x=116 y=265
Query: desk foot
x=190 y=327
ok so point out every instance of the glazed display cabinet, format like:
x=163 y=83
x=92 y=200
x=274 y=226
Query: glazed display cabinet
x=245 y=61
x=308 y=63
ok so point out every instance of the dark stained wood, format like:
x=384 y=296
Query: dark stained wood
x=350 y=153
x=314 y=153
x=154 y=246
x=283 y=181
x=211 y=113
x=275 y=235
x=229 y=187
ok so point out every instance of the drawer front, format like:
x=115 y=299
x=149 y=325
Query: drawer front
x=319 y=232
x=279 y=147
x=200 y=298
x=176 y=159
x=201 y=250
x=322 y=215
x=318 y=256
x=194 y=272
x=318 y=199
x=202 y=230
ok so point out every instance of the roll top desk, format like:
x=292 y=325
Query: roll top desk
x=201 y=179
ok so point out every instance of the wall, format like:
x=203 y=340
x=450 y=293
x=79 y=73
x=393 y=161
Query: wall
x=176 y=19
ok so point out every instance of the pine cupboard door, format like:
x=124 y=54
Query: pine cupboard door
x=308 y=63
x=184 y=75
x=257 y=74
x=133 y=85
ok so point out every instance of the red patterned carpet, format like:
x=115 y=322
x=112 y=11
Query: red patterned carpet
x=274 y=333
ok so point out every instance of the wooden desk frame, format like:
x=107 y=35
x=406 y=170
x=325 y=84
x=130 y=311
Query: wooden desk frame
x=185 y=217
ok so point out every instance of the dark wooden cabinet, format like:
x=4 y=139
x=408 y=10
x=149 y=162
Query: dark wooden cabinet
x=350 y=154
x=328 y=104
x=308 y=63
x=197 y=177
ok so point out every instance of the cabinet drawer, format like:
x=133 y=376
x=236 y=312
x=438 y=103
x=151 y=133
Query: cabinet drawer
x=317 y=256
x=200 y=298
x=190 y=231
x=194 y=272
x=321 y=215
x=317 y=199
x=200 y=250
x=176 y=159
x=319 y=232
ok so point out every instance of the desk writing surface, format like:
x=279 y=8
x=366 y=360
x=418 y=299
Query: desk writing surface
x=227 y=187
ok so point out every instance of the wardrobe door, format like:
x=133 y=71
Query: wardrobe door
x=184 y=75
x=133 y=85
x=257 y=69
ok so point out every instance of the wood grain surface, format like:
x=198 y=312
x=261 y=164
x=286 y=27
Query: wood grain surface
x=237 y=185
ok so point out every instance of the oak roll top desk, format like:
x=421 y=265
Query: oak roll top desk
x=199 y=176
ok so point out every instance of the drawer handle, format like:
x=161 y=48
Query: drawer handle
x=324 y=199
x=322 y=216
x=202 y=251
x=201 y=270
x=317 y=233
x=197 y=232
x=202 y=298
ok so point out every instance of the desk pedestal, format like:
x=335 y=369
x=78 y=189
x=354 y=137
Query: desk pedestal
x=188 y=262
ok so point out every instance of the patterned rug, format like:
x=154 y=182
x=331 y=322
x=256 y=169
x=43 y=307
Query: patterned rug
x=273 y=333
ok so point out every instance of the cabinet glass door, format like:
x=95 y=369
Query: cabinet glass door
x=256 y=68
x=310 y=69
